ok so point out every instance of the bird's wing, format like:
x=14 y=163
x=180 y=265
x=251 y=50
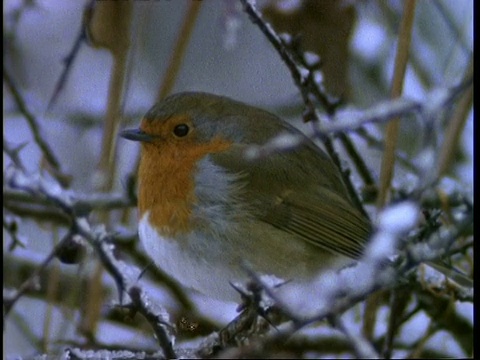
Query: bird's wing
x=294 y=195
x=324 y=220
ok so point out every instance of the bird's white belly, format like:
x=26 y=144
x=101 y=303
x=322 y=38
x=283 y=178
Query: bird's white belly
x=207 y=263
x=186 y=262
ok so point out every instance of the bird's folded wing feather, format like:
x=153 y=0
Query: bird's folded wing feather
x=294 y=196
x=324 y=220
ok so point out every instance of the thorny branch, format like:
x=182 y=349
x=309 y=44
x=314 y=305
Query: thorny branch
x=304 y=80
x=300 y=74
x=14 y=153
x=79 y=201
x=35 y=128
x=70 y=58
x=354 y=120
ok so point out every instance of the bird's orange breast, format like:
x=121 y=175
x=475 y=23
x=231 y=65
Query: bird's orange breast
x=166 y=181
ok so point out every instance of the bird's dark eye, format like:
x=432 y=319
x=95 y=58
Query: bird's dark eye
x=181 y=130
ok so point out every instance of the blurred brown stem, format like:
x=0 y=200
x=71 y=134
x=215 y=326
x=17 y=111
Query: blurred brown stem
x=178 y=53
x=109 y=28
x=391 y=134
x=456 y=126
x=52 y=293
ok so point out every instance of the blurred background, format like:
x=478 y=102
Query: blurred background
x=223 y=53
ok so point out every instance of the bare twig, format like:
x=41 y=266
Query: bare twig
x=453 y=27
x=31 y=282
x=399 y=299
x=13 y=153
x=357 y=160
x=80 y=201
x=69 y=59
x=441 y=308
x=362 y=347
x=38 y=212
x=10 y=224
x=419 y=345
x=22 y=204
x=35 y=129
x=378 y=144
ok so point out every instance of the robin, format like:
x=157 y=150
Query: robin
x=206 y=207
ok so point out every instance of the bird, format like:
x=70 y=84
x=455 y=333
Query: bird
x=206 y=207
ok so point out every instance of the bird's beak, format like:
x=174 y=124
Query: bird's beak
x=136 y=135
